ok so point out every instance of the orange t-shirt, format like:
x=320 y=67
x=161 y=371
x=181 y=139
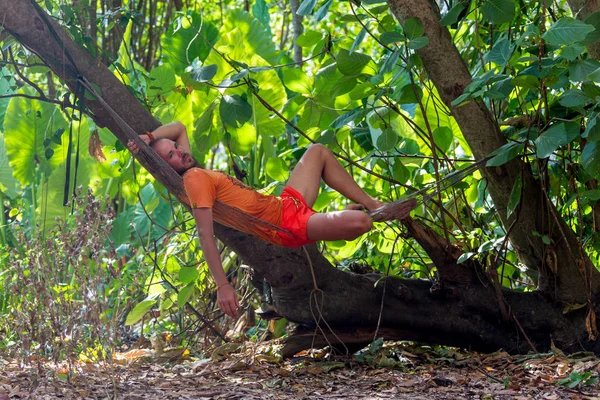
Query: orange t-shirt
x=243 y=204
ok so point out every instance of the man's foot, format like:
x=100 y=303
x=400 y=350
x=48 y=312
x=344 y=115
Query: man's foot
x=392 y=211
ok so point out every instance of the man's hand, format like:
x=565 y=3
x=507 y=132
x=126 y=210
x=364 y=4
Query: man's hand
x=134 y=148
x=228 y=300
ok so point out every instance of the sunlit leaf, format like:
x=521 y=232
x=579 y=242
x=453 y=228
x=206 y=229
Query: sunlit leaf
x=203 y=73
x=181 y=44
x=351 y=63
x=27 y=123
x=277 y=169
x=443 y=137
x=296 y=80
x=139 y=311
x=185 y=293
x=234 y=110
x=188 y=274
x=8 y=183
x=309 y=38
x=387 y=140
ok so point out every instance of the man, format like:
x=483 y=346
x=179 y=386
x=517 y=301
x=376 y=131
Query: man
x=291 y=216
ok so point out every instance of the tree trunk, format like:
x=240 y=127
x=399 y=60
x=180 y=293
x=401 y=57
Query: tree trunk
x=564 y=268
x=468 y=312
x=298 y=29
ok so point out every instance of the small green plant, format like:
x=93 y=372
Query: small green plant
x=577 y=379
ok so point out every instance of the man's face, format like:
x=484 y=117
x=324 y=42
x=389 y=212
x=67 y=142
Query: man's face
x=174 y=155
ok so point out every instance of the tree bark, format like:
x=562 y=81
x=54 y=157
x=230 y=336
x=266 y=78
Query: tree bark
x=298 y=29
x=565 y=270
x=463 y=312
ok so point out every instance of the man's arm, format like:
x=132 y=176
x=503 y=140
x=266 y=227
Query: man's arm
x=174 y=131
x=226 y=296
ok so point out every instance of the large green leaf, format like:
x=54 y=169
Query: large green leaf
x=387 y=140
x=574 y=98
x=581 y=69
x=243 y=139
x=500 y=53
x=235 y=110
x=413 y=28
x=6 y=83
x=27 y=123
x=253 y=39
x=260 y=10
x=567 y=31
x=8 y=183
x=590 y=159
x=162 y=82
x=185 y=293
x=51 y=196
x=175 y=107
x=277 y=169
x=139 y=311
x=556 y=136
x=182 y=43
x=504 y=154
x=296 y=80
x=352 y=63
x=498 y=11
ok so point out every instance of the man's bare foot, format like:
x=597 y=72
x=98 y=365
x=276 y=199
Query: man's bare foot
x=391 y=211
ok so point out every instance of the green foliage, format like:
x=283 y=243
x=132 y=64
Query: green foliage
x=187 y=40
x=29 y=125
x=578 y=379
x=228 y=75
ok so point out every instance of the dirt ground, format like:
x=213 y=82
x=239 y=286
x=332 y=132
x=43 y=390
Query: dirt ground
x=393 y=371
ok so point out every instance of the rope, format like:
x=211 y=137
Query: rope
x=313 y=294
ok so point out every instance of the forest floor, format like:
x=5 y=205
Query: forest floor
x=241 y=371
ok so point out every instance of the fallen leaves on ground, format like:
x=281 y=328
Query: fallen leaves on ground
x=253 y=371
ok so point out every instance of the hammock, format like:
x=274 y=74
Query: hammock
x=238 y=219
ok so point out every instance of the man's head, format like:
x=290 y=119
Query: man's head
x=174 y=155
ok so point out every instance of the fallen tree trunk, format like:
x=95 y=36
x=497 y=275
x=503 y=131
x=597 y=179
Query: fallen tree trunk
x=464 y=312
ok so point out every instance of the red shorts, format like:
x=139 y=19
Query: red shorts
x=295 y=218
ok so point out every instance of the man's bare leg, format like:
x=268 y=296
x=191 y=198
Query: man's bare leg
x=318 y=162
x=338 y=225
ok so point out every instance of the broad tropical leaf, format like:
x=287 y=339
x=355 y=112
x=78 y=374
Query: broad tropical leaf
x=27 y=123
